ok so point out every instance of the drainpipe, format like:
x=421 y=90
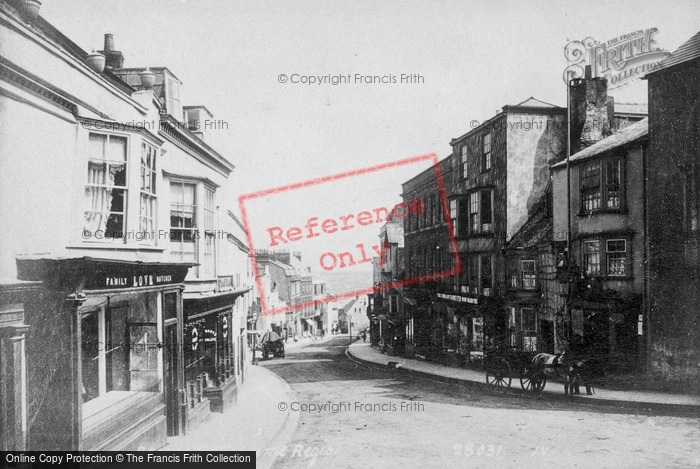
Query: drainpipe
x=645 y=340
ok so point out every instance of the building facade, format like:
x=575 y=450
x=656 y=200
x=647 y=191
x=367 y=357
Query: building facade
x=673 y=175
x=94 y=327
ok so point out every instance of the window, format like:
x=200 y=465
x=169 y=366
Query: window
x=453 y=216
x=209 y=235
x=486 y=213
x=147 y=211
x=616 y=252
x=513 y=274
x=590 y=187
x=612 y=183
x=529 y=275
x=474 y=275
x=433 y=209
x=529 y=329
x=591 y=257
x=106 y=189
x=486 y=275
x=486 y=154
x=463 y=154
x=183 y=234
x=474 y=212
x=602 y=185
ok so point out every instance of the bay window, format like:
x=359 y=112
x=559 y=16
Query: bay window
x=183 y=224
x=106 y=188
x=209 y=235
x=147 y=209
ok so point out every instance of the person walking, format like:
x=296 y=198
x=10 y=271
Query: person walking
x=364 y=336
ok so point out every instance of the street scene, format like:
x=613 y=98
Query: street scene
x=363 y=235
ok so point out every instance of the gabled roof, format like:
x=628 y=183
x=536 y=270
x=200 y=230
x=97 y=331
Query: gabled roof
x=688 y=51
x=533 y=102
x=626 y=136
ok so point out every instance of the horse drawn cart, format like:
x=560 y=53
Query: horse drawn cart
x=533 y=369
x=504 y=363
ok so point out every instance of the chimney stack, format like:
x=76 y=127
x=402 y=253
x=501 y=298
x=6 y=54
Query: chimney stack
x=115 y=59
x=590 y=112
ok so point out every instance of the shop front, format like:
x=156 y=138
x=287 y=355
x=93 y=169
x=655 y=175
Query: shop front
x=13 y=371
x=607 y=329
x=212 y=354
x=103 y=353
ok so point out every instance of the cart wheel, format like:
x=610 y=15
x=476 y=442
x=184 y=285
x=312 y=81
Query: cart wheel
x=533 y=380
x=500 y=374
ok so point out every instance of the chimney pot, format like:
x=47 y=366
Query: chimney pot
x=109 y=42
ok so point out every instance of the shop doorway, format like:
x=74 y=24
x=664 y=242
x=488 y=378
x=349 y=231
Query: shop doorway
x=171 y=381
x=547 y=336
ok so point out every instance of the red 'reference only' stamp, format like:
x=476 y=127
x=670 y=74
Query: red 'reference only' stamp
x=335 y=221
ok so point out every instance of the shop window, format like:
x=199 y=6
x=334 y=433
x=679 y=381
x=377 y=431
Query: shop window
x=616 y=253
x=529 y=275
x=106 y=189
x=121 y=361
x=591 y=257
x=486 y=153
x=147 y=209
x=183 y=225
x=463 y=159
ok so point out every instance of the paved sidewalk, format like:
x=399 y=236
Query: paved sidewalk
x=254 y=424
x=366 y=353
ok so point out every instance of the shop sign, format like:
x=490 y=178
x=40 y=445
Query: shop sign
x=225 y=283
x=459 y=298
x=619 y=60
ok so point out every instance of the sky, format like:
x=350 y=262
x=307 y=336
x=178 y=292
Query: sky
x=473 y=57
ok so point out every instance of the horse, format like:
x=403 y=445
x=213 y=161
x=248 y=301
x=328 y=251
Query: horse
x=589 y=372
x=561 y=364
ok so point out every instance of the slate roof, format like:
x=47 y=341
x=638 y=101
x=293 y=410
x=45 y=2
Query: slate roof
x=688 y=51
x=628 y=135
x=537 y=230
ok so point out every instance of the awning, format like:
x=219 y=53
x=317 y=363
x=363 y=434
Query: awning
x=310 y=322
